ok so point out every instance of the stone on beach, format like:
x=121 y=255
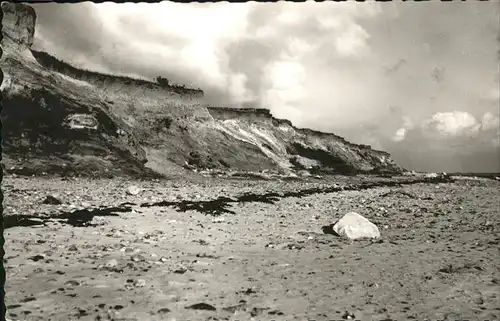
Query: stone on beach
x=133 y=190
x=354 y=226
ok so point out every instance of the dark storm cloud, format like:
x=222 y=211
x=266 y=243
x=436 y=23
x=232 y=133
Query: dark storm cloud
x=74 y=28
x=250 y=57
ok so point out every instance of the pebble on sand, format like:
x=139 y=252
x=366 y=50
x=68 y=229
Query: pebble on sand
x=111 y=263
x=133 y=190
x=140 y=283
x=354 y=226
x=52 y=200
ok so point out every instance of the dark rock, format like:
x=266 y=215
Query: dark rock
x=328 y=229
x=202 y=306
x=72 y=283
x=249 y=291
x=28 y=299
x=36 y=258
x=275 y=312
x=82 y=312
x=257 y=311
x=180 y=271
x=51 y=200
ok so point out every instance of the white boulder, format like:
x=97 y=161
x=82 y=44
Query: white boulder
x=354 y=226
x=81 y=121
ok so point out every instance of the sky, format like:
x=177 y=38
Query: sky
x=419 y=80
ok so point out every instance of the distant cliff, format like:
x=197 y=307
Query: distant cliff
x=58 y=118
x=264 y=115
x=290 y=146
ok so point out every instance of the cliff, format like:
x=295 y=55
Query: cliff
x=58 y=118
x=45 y=115
x=300 y=148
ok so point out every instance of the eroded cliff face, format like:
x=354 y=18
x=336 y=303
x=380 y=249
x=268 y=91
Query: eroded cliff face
x=63 y=117
x=297 y=148
x=41 y=111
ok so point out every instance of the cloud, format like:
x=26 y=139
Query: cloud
x=490 y=122
x=400 y=134
x=284 y=87
x=450 y=125
x=454 y=123
x=455 y=138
